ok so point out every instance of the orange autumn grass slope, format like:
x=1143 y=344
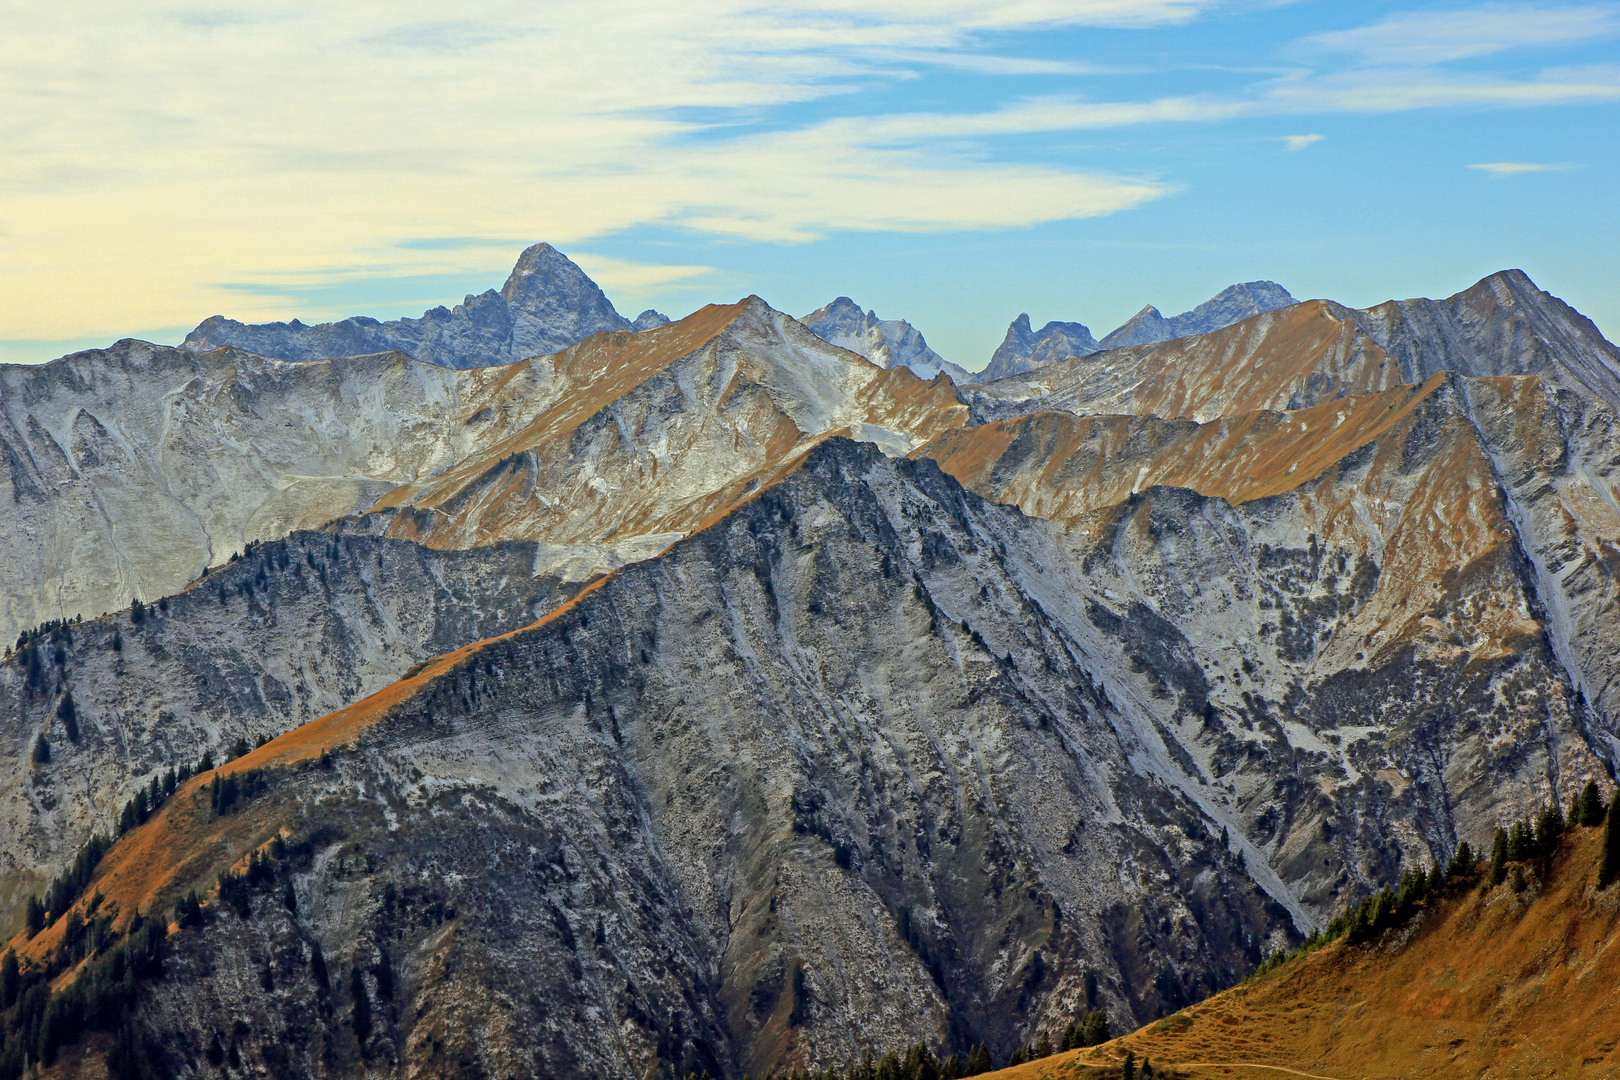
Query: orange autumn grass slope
x=1484 y=984
x=185 y=845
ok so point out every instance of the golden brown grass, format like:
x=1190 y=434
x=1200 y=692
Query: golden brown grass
x=1484 y=984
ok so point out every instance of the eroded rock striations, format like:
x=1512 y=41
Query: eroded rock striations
x=886 y=710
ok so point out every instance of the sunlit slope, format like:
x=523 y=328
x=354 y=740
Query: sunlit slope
x=1316 y=351
x=1380 y=607
x=659 y=431
x=1485 y=984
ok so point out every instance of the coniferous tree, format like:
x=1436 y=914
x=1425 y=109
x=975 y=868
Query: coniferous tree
x=362 y=1006
x=1519 y=842
x=10 y=979
x=317 y=966
x=42 y=750
x=1071 y=1036
x=1462 y=863
x=1609 y=868
x=1127 y=1071
x=68 y=713
x=1549 y=828
x=1095 y=1028
x=1499 y=857
x=978 y=1061
x=1043 y=1046
x=1589 y=806
x=35 y=916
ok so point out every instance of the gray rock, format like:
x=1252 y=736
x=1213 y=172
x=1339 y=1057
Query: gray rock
x=1296 y=356
x=1232 y=304
x=649 y=319
x=1024 y=350
x=547 y=304
x=888 y=343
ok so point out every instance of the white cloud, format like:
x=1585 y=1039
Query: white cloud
x=1437 y=37
x=1300 y=142
x=1513 y=168
x=152 y=153
x=635 y=278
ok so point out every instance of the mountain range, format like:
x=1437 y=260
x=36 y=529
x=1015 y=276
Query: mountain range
x=546 y=304
x=725 y=695
x=549 y=303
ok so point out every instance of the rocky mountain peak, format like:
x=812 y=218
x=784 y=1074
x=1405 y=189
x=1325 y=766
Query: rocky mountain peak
x=549 y=284
x=889 y=343
x=1024 y=349
x=547 y=304
x=1232 y=304
x=650 y=319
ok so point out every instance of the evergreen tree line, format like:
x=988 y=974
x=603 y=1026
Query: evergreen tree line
x=224 y=793
x=36 y=1022
x=1531 y=840
x=920 y=1063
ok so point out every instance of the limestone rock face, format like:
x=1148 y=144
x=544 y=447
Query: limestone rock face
x=1232 y=304
x=888 y=343
x=710 y=697
x=547 y=303
x=1306 y=353
x=1366 y=608
x=855 y=750
x=135 y=468
x=294 y=630
x=1024 y=349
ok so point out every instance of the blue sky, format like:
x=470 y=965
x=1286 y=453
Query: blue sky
x=951 y=163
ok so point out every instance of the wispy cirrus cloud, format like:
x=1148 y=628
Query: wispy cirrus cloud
x=298 y=141
x=1514 y=168
x=1424 y=38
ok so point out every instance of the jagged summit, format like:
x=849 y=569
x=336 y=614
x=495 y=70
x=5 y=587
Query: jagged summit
x=650 y=319
x=1295 y=356
x=547 y=303
x=1024 y=350
x=889 y=343
x=1232 y=304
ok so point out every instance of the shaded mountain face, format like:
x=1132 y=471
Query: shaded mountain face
x=855 y=750
x=1316 y=351
x=1232 y=304
x=295 y=629
x=888 y=343
x=1024 y=349
x=876 y=718
x=547 y=303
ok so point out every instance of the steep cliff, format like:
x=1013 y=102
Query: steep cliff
x=293 y=630
x=855 y=750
